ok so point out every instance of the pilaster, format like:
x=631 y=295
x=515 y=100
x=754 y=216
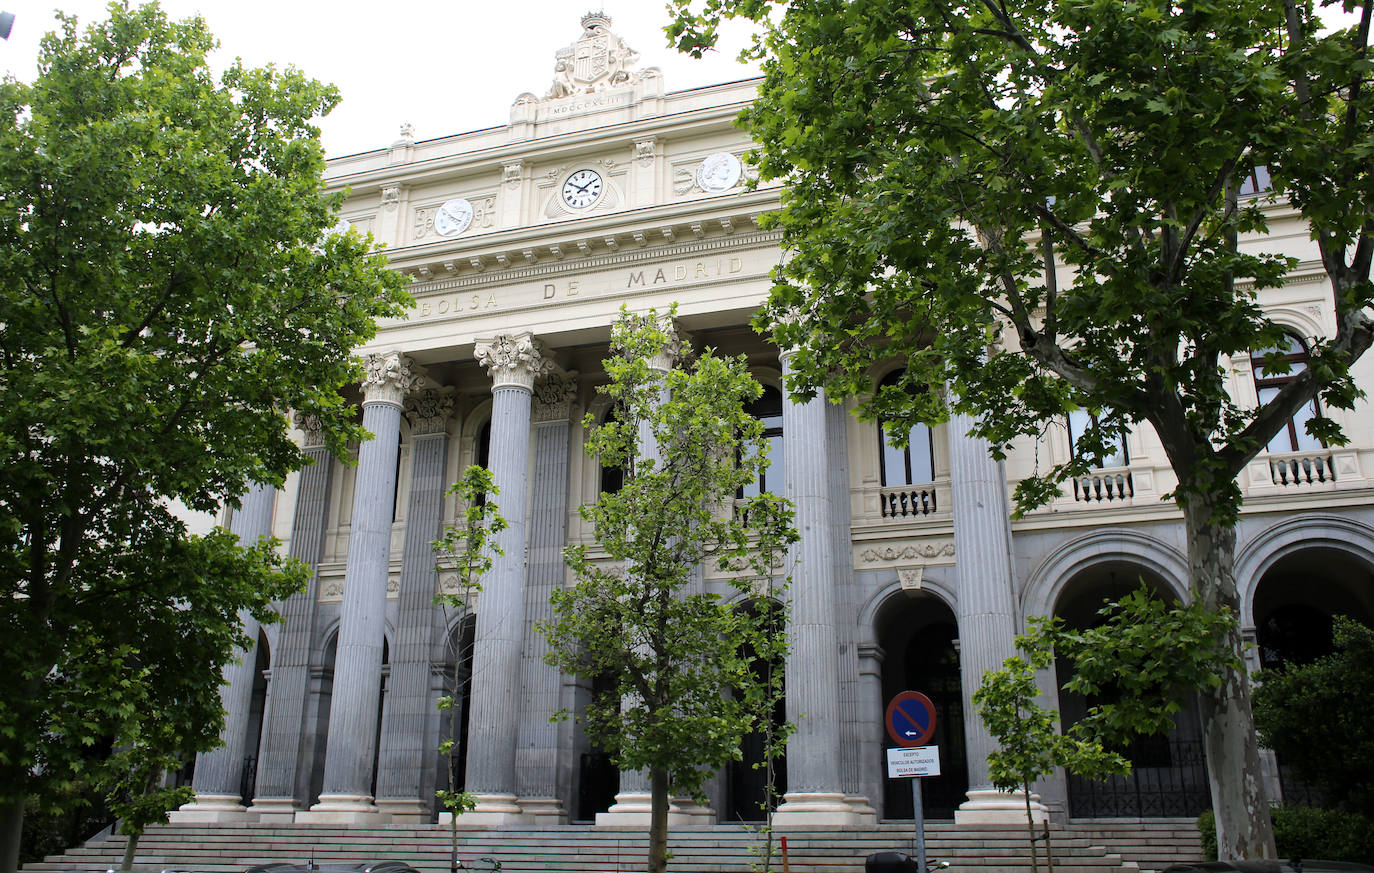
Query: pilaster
x=404 y=782
x=536 y=756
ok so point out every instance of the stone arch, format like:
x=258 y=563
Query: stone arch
x=1261 y=554
x=917 y=642
x=937 y=586
x=1125 y=547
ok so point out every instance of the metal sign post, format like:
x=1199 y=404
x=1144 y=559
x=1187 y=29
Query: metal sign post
x=911 y=723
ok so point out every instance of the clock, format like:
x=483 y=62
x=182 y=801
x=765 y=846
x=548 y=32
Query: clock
x=582 y=189
x=453 y=217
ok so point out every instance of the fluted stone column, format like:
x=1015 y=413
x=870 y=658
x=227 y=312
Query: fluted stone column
x=346 y=795
x=404 y=783
x=633 y=805
x=536 y=752
x=276 y=796
x=872 y=767
x=219 y=773
x=514 y=362
x=815 y=783
x=987 y=604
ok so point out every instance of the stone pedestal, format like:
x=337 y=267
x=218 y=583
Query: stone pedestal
x=999 y=807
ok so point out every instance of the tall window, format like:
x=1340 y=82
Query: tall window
x=484 y=454
x=768 y=409
x=912 y=465
x=1079 y=422
x=1257 y=182
x=1293 y=437
x=612 y=477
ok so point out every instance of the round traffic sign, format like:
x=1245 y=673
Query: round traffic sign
x=910 y=719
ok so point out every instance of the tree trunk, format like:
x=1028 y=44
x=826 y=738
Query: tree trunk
x=11 y=831
x=127 y=862
x=658 y=820
x=1244 y=831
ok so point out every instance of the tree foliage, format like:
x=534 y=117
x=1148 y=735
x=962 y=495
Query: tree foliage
x=1315 y=716
x=676 y=659
x=167 y=292
x=1039 y=206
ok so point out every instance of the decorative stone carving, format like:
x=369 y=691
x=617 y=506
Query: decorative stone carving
x=334 y=589
x=719 y=172
x=391 y=195
x=911 y=578
x=513 y=172
x=597 y=61
x=407 y=137
x=554 y=396
x=910 y=552
x=428 y=411
x=644 y=151
x=389 y=377
x=514 y=360
x=312 y=426
x=679 y=341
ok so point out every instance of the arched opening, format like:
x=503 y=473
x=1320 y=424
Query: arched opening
x=1293 y=605
x=1291 y=359
x=257 y=705
x=748 y=794
x=598 y=780
x=919 y=639
x=458 y=686
x=1169 y=773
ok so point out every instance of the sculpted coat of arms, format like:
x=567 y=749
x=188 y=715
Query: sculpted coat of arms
x=597 y=61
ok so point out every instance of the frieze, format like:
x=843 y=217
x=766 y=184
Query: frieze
x=891 y=553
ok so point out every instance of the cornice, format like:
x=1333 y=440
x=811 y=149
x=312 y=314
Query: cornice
x=658 y=232
x=546 y=148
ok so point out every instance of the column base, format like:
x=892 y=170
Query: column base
x=862 y=808
x=990 y=806
x=634 y=809
x=804 y=809
x=274 y=810
x=342 y=809
x=403 y=810
x=212 y=808
x=695 y=813
x=491 y=810
x=542 y=810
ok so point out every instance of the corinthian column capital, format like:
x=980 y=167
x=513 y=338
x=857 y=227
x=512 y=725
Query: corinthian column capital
x=389 y=377
x=679 y=343
x=429 y=410
x=514 y=360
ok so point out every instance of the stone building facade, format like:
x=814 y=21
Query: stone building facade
x=523 y=242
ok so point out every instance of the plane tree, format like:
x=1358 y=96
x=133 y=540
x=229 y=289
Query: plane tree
x=1043 y=206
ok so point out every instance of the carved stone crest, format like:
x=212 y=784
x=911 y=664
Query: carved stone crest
x=598 y=60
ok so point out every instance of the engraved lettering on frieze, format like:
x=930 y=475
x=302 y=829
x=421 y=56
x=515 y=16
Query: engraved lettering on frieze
x=683 y=272
x=875 y=554
x=451 y=304
x=429 y=411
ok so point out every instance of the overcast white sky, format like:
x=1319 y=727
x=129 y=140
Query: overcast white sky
x=445 y=67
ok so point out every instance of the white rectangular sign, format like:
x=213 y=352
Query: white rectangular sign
x=919 y=761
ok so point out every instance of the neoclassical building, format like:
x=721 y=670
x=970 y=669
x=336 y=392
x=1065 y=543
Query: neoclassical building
x=523 y=242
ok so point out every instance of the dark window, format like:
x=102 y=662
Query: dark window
x=912 y=465
x=768 y=409
x=612 y=478
x=1293 y=437
x=484 y=455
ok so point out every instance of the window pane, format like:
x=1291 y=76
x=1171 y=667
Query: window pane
x=919 y=453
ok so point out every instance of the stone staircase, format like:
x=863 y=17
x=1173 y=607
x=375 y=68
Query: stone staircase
x=1110 y=847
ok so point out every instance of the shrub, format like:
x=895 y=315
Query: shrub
x=1305 y=832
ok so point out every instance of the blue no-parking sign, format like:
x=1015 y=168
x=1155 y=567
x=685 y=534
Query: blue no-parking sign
x=911 y=719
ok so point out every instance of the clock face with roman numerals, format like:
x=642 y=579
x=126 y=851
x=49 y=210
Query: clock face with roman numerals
x=582 y=189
